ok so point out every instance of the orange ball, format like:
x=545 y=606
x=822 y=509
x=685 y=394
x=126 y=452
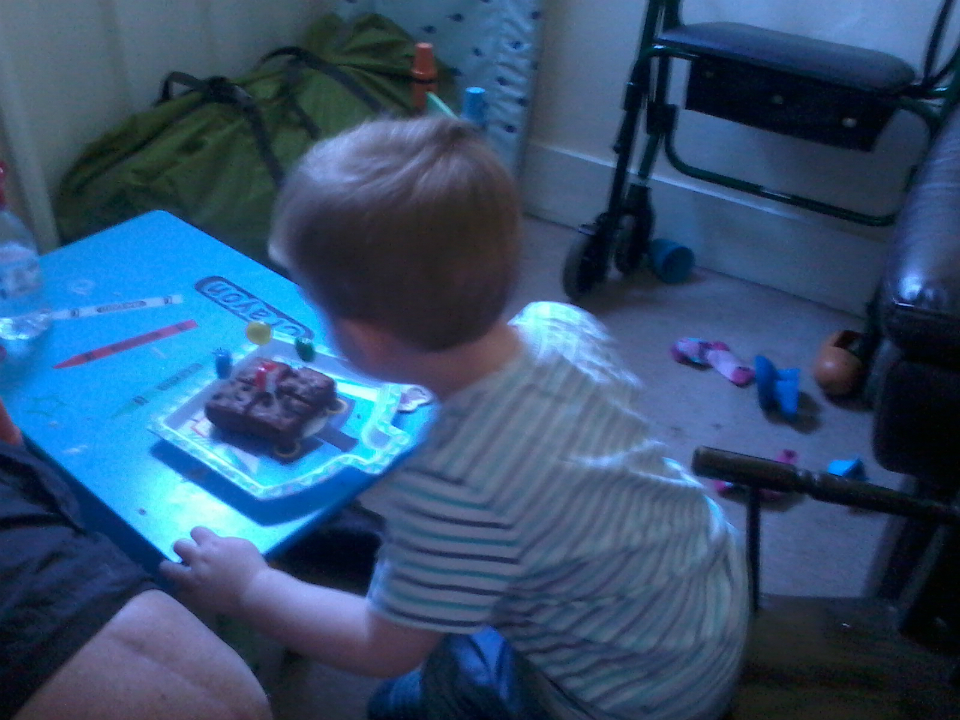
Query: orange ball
x=836 y=370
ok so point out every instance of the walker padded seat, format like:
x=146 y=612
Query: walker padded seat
x=858 y=68
x=811 y=89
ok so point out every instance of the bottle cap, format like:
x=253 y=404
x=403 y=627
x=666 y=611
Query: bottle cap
x=424 y=74
x=424 y=67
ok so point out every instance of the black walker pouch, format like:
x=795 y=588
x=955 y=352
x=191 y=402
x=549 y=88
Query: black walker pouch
x=787 y=104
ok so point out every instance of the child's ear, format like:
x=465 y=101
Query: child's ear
x=365 y=345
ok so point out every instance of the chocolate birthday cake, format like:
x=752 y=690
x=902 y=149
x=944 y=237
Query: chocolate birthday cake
x=272 y=401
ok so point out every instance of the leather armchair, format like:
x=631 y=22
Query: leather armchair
x=914 y=374
x=915 y=381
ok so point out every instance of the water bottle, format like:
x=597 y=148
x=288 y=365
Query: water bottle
x=24 y=312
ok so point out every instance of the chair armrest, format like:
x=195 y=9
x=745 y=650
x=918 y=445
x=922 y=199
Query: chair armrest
x=920 y=291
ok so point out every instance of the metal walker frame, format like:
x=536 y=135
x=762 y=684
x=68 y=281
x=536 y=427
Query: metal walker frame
x=812 y=89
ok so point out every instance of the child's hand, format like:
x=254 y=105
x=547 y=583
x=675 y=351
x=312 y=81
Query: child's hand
x=216 y=571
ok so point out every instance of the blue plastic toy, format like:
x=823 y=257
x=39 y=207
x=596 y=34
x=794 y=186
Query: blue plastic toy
x=777 y=389
x=223 y=362
x=475 y=107
x=852 y=469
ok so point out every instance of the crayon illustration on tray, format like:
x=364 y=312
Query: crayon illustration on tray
x=272 y=423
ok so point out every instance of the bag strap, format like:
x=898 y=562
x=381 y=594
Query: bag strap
x=292 y=74
x=219 y=89
x=301 y=57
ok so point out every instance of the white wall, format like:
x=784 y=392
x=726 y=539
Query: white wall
x=71 y=69
x=588 y=50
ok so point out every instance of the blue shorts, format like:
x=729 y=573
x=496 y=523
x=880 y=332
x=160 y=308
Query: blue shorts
x=468 y=677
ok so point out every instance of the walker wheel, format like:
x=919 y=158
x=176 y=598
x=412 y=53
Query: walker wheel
x=633 y=240
x=583 y=269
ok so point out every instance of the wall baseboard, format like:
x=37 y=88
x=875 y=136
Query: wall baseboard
x=808 y=255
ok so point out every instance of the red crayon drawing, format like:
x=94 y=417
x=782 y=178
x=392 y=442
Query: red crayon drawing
x=133 y=342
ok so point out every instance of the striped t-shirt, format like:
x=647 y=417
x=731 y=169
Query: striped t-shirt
x=540 y=505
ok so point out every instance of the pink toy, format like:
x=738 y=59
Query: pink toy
x=715 y=354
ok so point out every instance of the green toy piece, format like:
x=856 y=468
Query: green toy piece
x=305 y=349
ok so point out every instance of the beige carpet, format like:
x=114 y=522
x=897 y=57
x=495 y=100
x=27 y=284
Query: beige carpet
x=809 y=548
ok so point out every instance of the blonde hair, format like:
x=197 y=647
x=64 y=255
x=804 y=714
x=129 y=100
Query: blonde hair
x=412 y=225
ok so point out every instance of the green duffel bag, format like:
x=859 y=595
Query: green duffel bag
x=215 y=154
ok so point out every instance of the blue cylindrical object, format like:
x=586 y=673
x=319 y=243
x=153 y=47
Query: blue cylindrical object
x=670 y=261
x=223 y=362
x=475 y=107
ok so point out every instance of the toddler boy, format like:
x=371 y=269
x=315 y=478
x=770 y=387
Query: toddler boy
x=543 y=558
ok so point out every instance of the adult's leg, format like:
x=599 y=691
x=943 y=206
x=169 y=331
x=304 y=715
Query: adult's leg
x=153 y=660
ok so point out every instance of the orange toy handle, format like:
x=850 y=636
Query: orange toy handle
x=9 y=432
x=424 y=74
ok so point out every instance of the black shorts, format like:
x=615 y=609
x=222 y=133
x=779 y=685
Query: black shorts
x=59 y=582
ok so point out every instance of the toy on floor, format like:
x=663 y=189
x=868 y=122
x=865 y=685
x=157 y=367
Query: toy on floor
x=837 y=370
x=777 y=389
x=714 y=354
x=786 y=456
x=852 y=469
